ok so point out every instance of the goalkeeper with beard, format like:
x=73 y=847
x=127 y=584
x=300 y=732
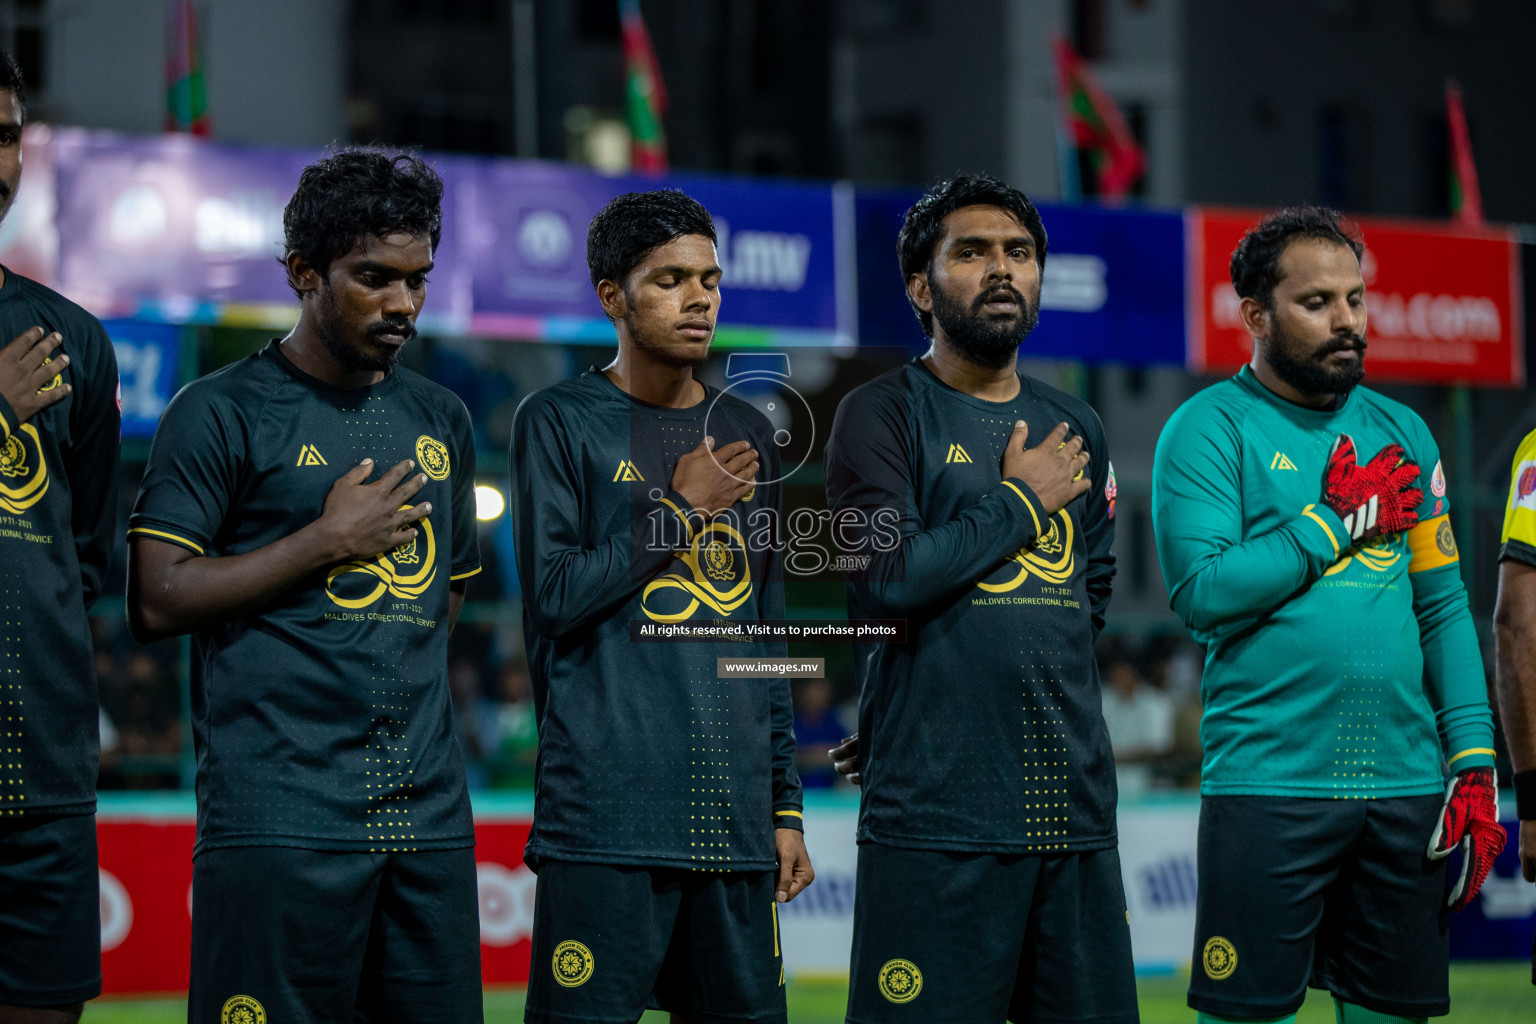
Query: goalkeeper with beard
x=1304 y=547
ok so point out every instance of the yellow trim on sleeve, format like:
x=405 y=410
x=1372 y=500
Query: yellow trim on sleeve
x=5 y=428
x=168 y=536
x=1027 y=504
x=1432 y=544
x=1475 y=750
x=792 y=814
x=686 y=524
x=1321 y=522
x=465 y=575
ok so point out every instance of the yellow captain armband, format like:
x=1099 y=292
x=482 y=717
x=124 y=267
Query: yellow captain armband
x=1432 y=544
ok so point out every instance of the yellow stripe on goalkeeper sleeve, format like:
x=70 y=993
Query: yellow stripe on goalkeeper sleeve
x=1432 y=544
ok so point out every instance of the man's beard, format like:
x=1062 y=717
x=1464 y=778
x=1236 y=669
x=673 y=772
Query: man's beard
x=988 y=341
x=331 y=328
x=667 y=355
x=1305 y=371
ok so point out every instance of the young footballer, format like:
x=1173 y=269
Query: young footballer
x=1304 y=532
x=988 y=877
x=667 y=815
x=308 y=514
x=1514 y=637
x=59 y=428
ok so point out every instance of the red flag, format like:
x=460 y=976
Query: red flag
x=645 y=95
x=1466 y=200
x=186 y=97
x=1093 y=124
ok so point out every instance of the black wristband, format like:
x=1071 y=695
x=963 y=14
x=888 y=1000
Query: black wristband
x=1525 y=795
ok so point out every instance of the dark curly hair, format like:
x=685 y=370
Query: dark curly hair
x=923 y=227
x=1255 y=264
x=355 y=194
x=10 y=79
x=634 y=224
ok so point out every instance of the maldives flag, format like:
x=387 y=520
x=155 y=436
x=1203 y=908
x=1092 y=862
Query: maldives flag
x=645 y=98
x=186 y=99
x=1094 y=126
x=1466 y=200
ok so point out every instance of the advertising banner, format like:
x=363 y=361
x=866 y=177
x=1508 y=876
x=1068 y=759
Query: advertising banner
x=147 y=364
x=528 y=245
x=146 y=891
x=1443 y=302
x=181 y=230
x=1112 y=290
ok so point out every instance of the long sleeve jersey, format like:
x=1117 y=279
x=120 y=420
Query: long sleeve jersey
x=646 y=755
x=58 y=519
x=1332 y=669
x=984 y=730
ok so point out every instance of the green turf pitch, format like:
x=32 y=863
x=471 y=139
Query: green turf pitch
x=1480 y=994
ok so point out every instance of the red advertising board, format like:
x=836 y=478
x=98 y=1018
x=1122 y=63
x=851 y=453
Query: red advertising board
x=146 y=902
x=1443 y=302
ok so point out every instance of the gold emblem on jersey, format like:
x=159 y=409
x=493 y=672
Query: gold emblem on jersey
x=1219 y=958
x=713 y=556
x=900 y=981
x=627 y=473
x=572 y=963
x=1445 y=540
x=309 y=455
x=957 y=454
x=23 y=471
x=1050 y=559
x=432 y=457
x=359 y=584
x=242 y=1010
x=58 y=379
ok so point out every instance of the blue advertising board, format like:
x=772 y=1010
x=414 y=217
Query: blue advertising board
x=527 y=249
x=148 y=355
x=1113 y=290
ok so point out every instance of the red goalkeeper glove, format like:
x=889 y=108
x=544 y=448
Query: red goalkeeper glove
x=1469 y=819
x=1376 y=498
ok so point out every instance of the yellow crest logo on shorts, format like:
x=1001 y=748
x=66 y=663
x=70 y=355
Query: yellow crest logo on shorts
x=1219 y=958
x=900 y=981
x=572 y=963
x=432 y=457
x=242 y=1010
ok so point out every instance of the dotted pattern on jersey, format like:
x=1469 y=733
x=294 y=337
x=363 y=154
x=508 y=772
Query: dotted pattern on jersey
x=1043 y=811
x=12 y=700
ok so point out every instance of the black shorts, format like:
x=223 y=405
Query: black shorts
x=297 y=936
x=947 y=936
x=50 y=911
x=1335 y=893
x=610 y=941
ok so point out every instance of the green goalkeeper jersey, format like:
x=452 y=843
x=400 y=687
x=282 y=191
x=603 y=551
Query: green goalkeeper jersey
x=1331 y=670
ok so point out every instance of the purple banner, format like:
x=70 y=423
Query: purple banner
x=528 y=247
x=180 y=229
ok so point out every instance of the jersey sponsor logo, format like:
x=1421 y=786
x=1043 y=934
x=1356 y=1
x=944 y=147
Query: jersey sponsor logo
x=1111 y=491
x=1379 y=554
x=242 y=1010
x=309 y=455
x=957 y=454
x=23 y=470
x=627 y=473
x=1282 y=461
x=1527 y=485
x=432 y=457
x=721 y=577
x=404 y=572
x=572 y=963
x=1051 y=559
x=900 y=981
x=1437 y=480
x=1219 y=958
